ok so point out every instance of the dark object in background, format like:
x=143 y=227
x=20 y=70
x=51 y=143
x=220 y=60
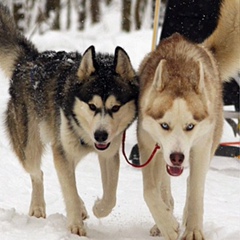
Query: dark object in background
x=134 y=155
x=194 y=19
x=228 y=151
x=231 y=94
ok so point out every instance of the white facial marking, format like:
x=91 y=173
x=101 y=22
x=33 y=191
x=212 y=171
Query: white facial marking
x=172 y=132
x=102 y=120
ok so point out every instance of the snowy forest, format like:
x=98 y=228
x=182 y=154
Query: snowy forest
x=44 y=15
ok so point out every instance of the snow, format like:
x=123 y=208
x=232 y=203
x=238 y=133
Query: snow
x=130 y=219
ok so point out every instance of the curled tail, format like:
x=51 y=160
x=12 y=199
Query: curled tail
x=13 y=45
x=225 y=40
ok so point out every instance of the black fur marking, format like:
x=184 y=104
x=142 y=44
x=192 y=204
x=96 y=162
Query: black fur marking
x=75 y=119
x=105 y=82
x=82 y=142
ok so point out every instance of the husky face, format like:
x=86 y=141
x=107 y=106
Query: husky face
x=105 y=95
x=104 y=120
x=175 y=119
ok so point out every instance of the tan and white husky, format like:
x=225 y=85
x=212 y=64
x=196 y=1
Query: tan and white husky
x=180 y=109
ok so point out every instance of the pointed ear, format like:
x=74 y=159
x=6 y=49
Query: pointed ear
x=201 y=84
x=123 y=64
x=87 y=64
x=160 y=75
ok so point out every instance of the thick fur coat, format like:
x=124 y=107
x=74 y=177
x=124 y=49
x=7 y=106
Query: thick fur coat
x=181 y=110
x=76 y=103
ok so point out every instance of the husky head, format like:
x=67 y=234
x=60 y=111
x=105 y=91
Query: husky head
x=104 y=98
x=175 y=109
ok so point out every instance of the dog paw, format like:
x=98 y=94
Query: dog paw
x=154 y=231
x=102 y=208
x=193 y=235
x=38 y=212
x=77 y=229
x=169 y=231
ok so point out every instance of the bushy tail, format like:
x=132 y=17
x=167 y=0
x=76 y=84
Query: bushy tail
x=13 y=45
x=225 y=40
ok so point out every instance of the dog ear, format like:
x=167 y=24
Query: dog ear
x=160 y=75
x=122 y=64
x=87 y=64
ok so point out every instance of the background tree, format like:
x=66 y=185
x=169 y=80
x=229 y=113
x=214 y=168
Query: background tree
x=81 y=8
x=53 y=6
x=68 y=14
x=126 y=15
x=139 y=11
x=43 y=15
x=108 y=2
x=95 y=11
x=18 y=13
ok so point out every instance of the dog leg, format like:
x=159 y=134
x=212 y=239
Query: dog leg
x=158 y=197
x=109 y=173
x=185 y=211
x=28 y=147
x=165 y=188
x=32 y=163
x=193 y=211
x=74 y=205
x=37 y=207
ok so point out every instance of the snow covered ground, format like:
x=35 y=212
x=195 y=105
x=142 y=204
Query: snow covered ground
x=130 y=219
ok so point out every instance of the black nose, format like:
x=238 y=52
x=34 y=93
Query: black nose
x=100 y=135
x=177 y=158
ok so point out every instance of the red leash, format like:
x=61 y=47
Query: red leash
x=157 y=148
x=134 y=165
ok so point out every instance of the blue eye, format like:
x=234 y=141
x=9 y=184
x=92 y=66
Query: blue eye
x=165 y=126
x=190 y=127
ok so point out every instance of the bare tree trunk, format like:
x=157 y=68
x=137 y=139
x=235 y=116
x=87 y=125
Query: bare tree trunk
x=81 y=14
x=68 y=14
x=108 y=2
x=95 y=11
x=126 y=15
x=28 y=7
x=139 y=11
x=18 y=13
x=54 y=5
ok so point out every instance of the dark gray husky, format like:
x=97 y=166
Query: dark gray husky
x=78 y=104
